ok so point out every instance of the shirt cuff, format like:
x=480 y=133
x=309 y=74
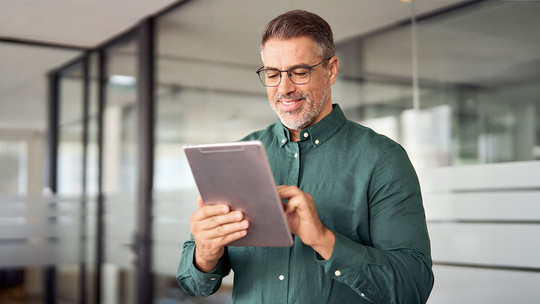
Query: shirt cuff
x=345 y=264
x=205 y=279
x=335 y=265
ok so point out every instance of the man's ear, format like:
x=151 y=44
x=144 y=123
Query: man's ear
x=333 y=67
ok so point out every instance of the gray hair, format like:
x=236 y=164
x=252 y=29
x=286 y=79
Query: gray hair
x=300 y=23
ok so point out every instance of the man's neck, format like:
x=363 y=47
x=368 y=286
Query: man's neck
x=294 y=134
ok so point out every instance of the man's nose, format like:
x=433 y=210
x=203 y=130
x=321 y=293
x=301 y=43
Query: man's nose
x=286 y=86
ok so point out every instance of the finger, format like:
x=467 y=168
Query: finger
x=208 y=211
x=220 y=220
x=221 y=237
x=233 y=237
x=223 y=231
x=291 y=207
x=286 y=192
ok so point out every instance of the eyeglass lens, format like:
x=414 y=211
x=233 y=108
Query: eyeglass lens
x=299 y=75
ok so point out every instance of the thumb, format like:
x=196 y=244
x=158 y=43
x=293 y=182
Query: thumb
x=200 y=202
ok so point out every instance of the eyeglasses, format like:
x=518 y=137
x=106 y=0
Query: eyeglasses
x=297 y=74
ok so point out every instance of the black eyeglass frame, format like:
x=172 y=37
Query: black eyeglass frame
x=289 y=72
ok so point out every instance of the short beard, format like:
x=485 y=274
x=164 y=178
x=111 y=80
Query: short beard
x=306 y=116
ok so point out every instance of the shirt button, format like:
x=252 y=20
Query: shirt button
x=213 y=279
x=337 y=273
x=362 y=294
x=295 y=155
x=317 y=141
x=281 y=277
x=283 y=141
x=306 y=135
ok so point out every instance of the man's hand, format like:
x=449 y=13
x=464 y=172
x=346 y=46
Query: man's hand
x=212 y=228
x=304 y=221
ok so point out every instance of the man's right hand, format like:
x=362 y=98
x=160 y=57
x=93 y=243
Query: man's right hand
x=212 y=228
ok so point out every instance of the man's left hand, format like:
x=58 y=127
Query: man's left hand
x=304 y=222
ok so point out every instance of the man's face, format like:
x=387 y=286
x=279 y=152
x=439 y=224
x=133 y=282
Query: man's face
x=299 y=106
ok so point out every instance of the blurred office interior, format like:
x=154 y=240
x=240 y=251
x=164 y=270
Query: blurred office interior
x=97 y=99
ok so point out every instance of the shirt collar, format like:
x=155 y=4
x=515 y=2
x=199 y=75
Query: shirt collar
x=318 y=133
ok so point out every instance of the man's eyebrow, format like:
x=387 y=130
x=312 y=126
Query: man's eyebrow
x=299 y=65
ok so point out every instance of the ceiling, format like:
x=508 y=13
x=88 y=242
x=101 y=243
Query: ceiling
x=71 y=26
x=37 y=36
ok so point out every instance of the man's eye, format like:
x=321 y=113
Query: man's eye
x=271 y=74
x=300 y=72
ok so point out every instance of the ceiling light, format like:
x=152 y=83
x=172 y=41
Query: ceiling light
x=122 y=80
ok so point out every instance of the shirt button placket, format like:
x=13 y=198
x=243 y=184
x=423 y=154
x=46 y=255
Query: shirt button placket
x=293 y=171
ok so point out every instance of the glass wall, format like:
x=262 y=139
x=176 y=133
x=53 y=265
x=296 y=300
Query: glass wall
x=477 y=88
x=77 y=182
x=120 y=172
x=28 y=239
x=13 y=176
x=13 y=182
x=68 y=219
x=91 y=183
x=485 y=57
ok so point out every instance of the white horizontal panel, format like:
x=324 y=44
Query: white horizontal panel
x=38 y=210
x=509 y=205
x=486 y=244
x=40 y=200
x=41 y=229
x=22 y=253
x=40 y=252
x=473 y=286
x=515 y=175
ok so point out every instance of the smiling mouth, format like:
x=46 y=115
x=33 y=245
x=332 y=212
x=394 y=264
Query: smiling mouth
x=290 y=105
x=289 y=102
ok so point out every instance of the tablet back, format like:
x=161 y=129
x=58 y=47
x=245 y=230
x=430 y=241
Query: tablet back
x=238 y=174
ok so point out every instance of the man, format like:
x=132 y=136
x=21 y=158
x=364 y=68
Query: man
x=354 y=204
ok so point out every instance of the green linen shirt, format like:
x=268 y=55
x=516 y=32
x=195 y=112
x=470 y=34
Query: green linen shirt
x=366 y=191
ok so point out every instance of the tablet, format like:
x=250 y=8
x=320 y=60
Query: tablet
x=238 y=174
